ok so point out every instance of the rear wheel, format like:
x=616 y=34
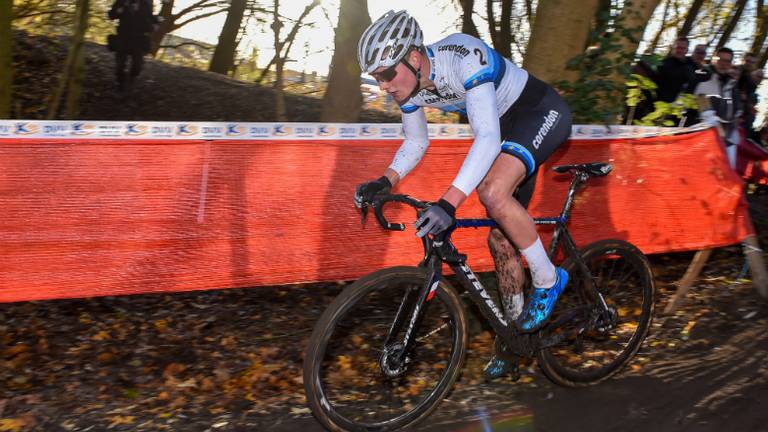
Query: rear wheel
x=353 y=379
x=623 y=276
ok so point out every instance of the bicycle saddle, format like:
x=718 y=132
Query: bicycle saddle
x=593 y=169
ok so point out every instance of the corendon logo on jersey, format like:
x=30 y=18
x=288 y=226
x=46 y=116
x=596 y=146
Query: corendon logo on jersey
x=458 y=49
x=549 y=121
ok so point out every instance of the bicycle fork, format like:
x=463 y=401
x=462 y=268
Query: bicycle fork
x=395 y=354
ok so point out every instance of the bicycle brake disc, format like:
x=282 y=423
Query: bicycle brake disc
x=389 y=363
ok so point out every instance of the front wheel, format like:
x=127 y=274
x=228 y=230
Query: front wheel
x=353 y=377
x=596 y=347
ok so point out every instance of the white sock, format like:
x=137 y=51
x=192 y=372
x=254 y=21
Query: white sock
x=542 y=270
x=518 y=301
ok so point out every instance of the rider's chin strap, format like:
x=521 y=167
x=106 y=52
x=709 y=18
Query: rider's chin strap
x=418 y=77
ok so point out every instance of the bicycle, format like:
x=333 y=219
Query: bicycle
x=384 y=333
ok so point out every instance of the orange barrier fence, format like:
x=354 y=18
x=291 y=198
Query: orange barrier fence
x=102 y=217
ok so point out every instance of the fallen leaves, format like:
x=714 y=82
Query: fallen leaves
x=121 y=420
x=12 y=424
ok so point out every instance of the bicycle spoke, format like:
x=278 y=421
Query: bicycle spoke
x=621 y=275
x=361 y=377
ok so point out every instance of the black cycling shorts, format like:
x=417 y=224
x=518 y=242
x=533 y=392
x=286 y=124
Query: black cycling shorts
x=536 y=124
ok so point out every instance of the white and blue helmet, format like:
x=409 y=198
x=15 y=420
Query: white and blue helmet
x=388 y=40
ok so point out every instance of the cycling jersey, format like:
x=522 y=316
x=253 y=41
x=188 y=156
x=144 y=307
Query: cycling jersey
x=473 y=79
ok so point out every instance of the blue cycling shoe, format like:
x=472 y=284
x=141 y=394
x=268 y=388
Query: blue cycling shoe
x=541 y=303
x=498 y=367
x=502 y=363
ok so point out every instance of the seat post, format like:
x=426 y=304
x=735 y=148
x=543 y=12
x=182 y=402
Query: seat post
x=579 y=177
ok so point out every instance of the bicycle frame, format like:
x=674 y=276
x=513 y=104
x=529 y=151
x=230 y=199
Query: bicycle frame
x=438 y=251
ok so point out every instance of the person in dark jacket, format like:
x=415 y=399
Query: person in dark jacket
x=676 y=72
x=136 y=23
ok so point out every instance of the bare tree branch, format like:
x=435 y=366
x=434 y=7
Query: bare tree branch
x=289 y=39
x=198 y=17
x=201 y=4
x=199 y=45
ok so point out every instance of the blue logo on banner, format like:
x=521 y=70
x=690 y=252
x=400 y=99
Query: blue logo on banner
x=234 y=130
x=325 y=130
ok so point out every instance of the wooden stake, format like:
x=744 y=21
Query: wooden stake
x=754 y=256
x=684 y=284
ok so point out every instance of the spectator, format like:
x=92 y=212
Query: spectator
x=722 y=91
x=701 y=73
x=701 y=70
x=133 y=38
x=699 y=55
x=676 y=72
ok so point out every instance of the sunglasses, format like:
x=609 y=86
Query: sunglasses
x=387 y=74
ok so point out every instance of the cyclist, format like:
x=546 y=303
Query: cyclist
x=517 y=121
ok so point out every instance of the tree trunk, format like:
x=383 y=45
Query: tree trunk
x=224 y=55
x=634 y=19
x=602 y=20
x=491 y=19
x=505 y=29
x=763 y=59
x=501 y=31
x=732 y=21
x=342 y=100
x=691 y=17
x=467 y=24
x=6 y=59
x=71 y=64
x=761 y=20
x=559 y=33
x=165 y=27
x=278 y=84
x=75 y=86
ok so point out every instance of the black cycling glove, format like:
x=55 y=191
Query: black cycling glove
x=436 y=219
x=366 y=191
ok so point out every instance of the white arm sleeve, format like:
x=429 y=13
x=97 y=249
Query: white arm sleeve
x=484 y=119
x=415 y=144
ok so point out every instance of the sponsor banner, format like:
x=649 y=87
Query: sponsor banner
x=280 y=131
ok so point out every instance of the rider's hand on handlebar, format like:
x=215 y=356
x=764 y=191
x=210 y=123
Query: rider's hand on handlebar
x=366 y=191
x=436 y=219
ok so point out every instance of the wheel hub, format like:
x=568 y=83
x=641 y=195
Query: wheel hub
x=607 y=321
x=391 y=363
